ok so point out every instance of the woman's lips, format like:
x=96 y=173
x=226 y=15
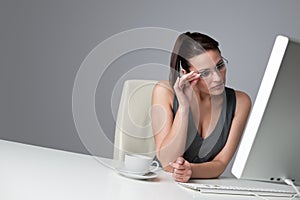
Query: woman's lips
x=217 y=87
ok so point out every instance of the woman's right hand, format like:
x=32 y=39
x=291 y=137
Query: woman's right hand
x=183 y=88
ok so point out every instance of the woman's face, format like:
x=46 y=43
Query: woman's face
x=211 y=67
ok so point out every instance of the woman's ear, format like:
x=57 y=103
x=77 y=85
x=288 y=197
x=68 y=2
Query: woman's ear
x=183 y=71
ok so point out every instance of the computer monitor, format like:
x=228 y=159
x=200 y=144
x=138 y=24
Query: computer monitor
x=270 y=146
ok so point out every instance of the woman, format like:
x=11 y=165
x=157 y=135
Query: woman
x=196 y=120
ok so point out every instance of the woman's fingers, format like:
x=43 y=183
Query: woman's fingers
x=181 y=177
x=188 y=78
x=177 y=165
x=183 y=87
x=180 y=160
x=181 y=170
x=193 y=76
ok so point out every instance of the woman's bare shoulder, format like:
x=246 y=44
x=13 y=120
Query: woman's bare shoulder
x=163 y=86
x=243 y=100
x=163 y=92
x=242 y=96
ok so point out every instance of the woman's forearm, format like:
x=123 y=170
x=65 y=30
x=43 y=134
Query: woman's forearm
x=173 y=144
x=212 y=169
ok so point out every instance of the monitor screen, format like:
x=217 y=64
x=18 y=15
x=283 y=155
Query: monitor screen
x=270 y=146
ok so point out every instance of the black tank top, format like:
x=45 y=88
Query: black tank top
x=197 y=149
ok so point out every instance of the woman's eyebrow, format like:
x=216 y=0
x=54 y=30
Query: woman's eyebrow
x=218 y=63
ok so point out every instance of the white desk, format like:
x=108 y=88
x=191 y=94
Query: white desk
x=36 y=173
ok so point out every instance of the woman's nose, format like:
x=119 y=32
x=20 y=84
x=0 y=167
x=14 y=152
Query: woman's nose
x=216 y=75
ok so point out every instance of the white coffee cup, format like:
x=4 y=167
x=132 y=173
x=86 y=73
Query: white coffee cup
x=139 y=164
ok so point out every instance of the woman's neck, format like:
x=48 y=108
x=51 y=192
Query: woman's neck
x=204 y=98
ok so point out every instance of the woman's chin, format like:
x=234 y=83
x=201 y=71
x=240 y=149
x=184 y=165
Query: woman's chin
x=217 y=90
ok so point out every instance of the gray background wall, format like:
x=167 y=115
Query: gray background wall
x=43 y=44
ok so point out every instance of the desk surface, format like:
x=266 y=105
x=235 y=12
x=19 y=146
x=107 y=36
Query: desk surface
x=35 y=173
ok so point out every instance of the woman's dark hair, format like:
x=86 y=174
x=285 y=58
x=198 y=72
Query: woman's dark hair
x=187 y=46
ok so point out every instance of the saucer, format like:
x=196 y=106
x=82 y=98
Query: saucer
x=135 y=175
x=148 y=175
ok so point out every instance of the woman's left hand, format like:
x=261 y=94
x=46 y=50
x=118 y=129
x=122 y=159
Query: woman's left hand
x=182 y=170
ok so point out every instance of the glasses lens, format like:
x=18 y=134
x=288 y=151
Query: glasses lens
x=205 y=73
x=219 y=67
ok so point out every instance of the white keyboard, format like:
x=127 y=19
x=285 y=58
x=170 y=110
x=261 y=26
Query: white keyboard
x=234 y=190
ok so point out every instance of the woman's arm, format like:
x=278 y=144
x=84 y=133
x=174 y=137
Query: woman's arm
x=170 y=131
x=185 y=170
x=169 y=134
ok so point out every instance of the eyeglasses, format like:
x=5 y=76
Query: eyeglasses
x=220 y=66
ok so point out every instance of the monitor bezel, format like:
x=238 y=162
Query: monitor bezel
x=262 y=99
